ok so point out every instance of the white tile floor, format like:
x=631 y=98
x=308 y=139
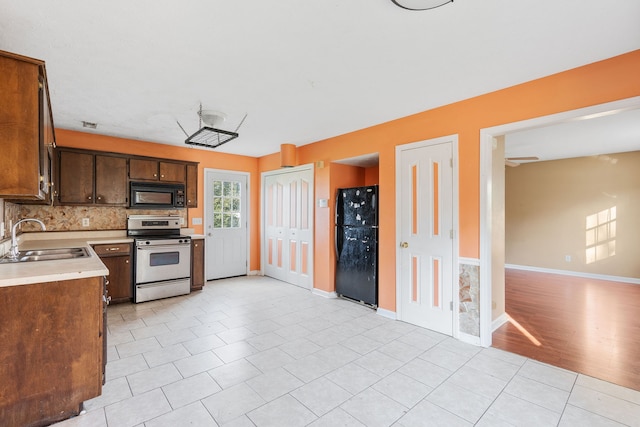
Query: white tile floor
x=254 y=351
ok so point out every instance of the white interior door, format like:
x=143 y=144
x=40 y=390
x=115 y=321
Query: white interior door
x=226 y=224
x=288 y=226
x=426 y=235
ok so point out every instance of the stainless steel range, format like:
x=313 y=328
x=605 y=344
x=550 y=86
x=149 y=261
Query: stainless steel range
x=162 y=257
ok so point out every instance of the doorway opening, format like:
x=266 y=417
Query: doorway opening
x=492 y=220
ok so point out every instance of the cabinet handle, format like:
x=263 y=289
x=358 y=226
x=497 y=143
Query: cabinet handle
x=195 y=244
x=113 y=249
x=162 y=176
x=155 y=175
x=99 y=198
x=126 y=261
x=89 y=198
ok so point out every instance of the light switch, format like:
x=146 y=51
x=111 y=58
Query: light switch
x=323 y=203
x=196 y=221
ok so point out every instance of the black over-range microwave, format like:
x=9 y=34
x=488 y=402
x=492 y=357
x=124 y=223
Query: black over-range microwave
x=153 y=195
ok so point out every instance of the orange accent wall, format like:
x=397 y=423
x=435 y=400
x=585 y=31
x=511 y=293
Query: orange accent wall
x=207 y=159
x=604 y=81
x=371 y=175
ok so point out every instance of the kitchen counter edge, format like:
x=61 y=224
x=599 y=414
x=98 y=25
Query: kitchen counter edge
x=26 y=273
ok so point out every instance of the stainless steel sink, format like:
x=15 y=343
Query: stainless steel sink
x=48 y=255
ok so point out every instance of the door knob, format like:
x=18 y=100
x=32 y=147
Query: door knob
x=404 y=245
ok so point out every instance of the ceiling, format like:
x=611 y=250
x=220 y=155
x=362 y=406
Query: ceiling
x=302 y=71
x=603 y=134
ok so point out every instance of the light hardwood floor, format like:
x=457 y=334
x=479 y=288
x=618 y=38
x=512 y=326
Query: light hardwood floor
x=584 y=325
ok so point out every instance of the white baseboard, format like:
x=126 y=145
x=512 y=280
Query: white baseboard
x=386 y=313
x=469 y=339
x=631 y=280
x=255 y=273
x=324 y=294
x=499 y=321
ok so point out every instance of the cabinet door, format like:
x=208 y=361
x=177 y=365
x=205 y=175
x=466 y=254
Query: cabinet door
x=76 y=178
x=143 y=169
x=19 y=129
x=192 y=186
x=173 y=172
x=117 y=258
x=47 y=141
x=197 y=264
x=119 y=287
x=111 y=180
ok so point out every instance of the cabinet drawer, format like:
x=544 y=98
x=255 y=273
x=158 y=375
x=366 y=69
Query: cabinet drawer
x=114 y=249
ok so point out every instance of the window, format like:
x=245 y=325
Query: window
x=226 y=204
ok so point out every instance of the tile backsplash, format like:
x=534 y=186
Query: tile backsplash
x=11 y=215
x=70 y=218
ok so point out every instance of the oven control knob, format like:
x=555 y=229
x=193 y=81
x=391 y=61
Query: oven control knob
x=147 y=242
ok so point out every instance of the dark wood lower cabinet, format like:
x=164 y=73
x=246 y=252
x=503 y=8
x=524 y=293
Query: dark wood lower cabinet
x=51 y=352
x=117 y=258
x=197 y=264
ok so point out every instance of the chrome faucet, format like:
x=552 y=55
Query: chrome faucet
x=13 y=252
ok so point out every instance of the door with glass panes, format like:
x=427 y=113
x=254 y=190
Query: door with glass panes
x=225 y=224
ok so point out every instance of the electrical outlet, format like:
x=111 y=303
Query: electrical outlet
x=567 y=258
x=85 y=222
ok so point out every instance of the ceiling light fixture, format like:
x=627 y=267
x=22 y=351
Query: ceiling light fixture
x=420 y=4
x=210 y=135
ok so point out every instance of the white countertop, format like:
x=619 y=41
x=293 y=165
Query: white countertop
x=23 y=273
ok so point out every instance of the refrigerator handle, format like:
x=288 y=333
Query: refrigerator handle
x=337 y=244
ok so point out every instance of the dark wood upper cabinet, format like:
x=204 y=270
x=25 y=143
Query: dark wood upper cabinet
x=143 y=169
x=156 y=170
x=86 y=178
x=174 y=172
x=192 y=186
x=75 y=183
x=26 y=129
x=111 y=180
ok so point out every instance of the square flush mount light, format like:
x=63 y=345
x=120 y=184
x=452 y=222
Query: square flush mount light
x=420 y=4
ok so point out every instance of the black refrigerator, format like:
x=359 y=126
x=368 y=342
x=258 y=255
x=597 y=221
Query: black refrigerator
x=357 y=244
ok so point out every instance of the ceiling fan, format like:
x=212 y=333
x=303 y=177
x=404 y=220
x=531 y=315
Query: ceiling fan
x=513 y=161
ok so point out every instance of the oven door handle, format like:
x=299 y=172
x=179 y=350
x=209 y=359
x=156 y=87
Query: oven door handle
x=162 y=247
